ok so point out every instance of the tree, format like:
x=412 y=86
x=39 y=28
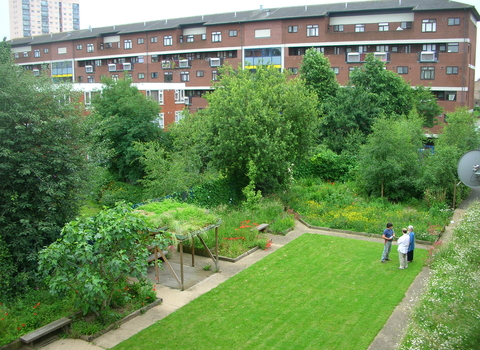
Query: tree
x=319 y=77
x=122 y=116
x=389 y=91
x=96 y=255
x=459 y=136
x=43 y=163
x=426 y=105
x=389 y=162
x=261 y=120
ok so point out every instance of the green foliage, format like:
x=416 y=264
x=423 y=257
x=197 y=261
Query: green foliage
x=315 y=70
x=95 y=256
x=440 y=176
x=180 y=218
x=260 y=117
x=115 y=191
x=214 y=193
x=340 y=206
x=327 y=165
x=388 y=90
x=122 y=116
x=426 y=105
x=389 y=163
x=43 y=165
x=447 y=313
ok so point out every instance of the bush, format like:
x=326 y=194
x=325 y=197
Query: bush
x=114 y=192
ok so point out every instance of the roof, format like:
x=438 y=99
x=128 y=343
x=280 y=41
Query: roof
x=323 y=10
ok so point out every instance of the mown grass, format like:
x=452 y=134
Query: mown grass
x=447 y=316
x=317 y=292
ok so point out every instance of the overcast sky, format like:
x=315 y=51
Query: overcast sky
x=99 y=13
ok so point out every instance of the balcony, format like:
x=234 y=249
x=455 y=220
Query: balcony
x=428 y=56
x=359 y=57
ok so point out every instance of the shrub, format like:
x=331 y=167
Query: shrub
x=115 y=192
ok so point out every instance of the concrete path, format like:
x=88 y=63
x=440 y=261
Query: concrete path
x=199 y=281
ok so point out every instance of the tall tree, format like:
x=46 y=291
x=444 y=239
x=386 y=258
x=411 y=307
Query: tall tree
x=316 y=71
x=42 y=163
x=258 y=125
x=389 y=162
x=426 y=105
x=122 y=116
x=440 y=172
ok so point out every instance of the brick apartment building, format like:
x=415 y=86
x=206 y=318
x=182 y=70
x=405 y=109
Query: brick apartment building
x=427 y=42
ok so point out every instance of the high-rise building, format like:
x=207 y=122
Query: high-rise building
x=37 y=17
x=174 y=61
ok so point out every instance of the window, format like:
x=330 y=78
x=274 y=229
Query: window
x=79 y=79
x=90 y=48
x=204 y=36
x=89 y=69
x=46 y=50
x=160 y=120
x=394 y=48
x=293 y=29
x=452 y=47
x=294 y=70
x=115 y=77
x=402 y=70
x=179 y=96
x=141 y=75
x=127 y=44
x=452 y=70
x=214 y=75
x=335 y=70
x=427 y=73
x=190 y=38
x=454 y=21
x=312 y=30
x=183 y=64
x=98 y=63
x=167 y=77
x=353 y=57
x=383 y=27
x=79 y=47
x=232 y=33
x=154 y=58
x=140 y=41
x=167 y=40
x=154 y=39
x=90 y=79
x=336 y=50
x=338 y=28
x=359 y=28
x=429 y=47
x=25 y=54
x=381 y=48
x=262 y=33
x=406 y=25
x=36 y=53
x=215 y=62
x=178 y=116
x=216 y=37
x=428 y=56
x=429 y=25
x=351 y=70
x=450 y=96
x=184 y=76
x=200 y=73
x=154 y=75
x=16 y=55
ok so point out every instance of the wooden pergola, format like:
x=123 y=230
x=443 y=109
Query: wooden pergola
x=180 y=239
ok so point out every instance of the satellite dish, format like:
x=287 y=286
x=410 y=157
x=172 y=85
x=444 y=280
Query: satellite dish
x=469 y=168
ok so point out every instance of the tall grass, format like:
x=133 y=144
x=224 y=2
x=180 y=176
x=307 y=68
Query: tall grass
x=337 y=205
x=448 y=314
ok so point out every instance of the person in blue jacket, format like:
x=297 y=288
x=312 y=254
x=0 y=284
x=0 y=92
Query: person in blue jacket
x=411 y=246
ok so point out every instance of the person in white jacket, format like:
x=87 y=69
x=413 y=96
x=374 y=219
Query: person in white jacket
x=403 y=243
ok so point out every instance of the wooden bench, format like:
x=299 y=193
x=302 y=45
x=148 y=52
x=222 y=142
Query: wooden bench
x=29 y=338
x=262 y=227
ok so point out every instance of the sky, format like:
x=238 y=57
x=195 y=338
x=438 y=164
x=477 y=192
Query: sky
x=100 y=13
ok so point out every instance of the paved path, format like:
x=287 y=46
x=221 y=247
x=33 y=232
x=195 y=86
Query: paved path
x=174 y=299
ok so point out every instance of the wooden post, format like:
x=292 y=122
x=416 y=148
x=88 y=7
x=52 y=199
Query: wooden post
x=157 y=273
x=216 y=248
x=181 y=262
x=193 y=251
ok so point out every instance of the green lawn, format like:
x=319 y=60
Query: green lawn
x=317 y=292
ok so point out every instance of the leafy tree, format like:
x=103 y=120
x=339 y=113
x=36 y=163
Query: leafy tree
x=96 y=255
x=389 y=91
x=43 y=164
x=440 y=172
x=389 y=162
x=315 y=70
x=261 y=119
x=426 y=105
x=122 y=116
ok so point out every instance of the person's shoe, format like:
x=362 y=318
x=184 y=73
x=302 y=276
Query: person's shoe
x=383 y=261
x=408 y=261
x=387 y=260
x=400 y=268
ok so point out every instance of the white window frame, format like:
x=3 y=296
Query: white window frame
x=353 y=57
x=184 y=76
x=427 y=56
x=383 y=27
x=167 y=40
x=429 y=25
x=312 y=30
x=179 y=96
x=216 y=37
x=215 y=62
x=90 y=48
x=112 y=67
x=359 y=28
x=89 y=69
x=127 y=44
x=183 y=64
x=178 y=116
